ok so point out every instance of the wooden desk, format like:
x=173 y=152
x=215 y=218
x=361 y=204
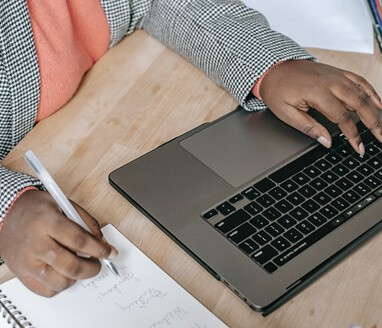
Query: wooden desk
x=141 y=94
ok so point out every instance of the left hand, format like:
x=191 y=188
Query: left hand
x=292 y=87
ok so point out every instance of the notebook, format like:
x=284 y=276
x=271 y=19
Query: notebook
x=262 y=207
x=145 y=296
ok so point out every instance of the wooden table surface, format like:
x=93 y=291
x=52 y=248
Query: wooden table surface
x=141 y=94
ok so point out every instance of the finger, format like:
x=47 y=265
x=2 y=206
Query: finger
x=305 y=123
x=38 y=287
x=51 y=279
x=92 y=223
x=77 y=239
x=366 y=86
x=335 y=111
x=357 y=100
x=68 y=264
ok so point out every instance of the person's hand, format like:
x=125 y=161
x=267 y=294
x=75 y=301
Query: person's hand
x=290 y=88
x=39 y=244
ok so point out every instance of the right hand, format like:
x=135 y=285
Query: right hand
x=39 y=244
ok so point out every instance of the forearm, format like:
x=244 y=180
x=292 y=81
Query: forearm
x=230 y=42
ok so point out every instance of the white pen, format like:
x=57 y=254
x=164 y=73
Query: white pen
x=60 y=198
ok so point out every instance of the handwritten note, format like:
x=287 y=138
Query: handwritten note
x=144 y=296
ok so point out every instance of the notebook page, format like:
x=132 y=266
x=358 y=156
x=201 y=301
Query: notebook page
x=144 y=296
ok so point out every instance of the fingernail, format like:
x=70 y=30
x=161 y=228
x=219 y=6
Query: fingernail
x=325 y=142
x=114 y=252
x=361 y=149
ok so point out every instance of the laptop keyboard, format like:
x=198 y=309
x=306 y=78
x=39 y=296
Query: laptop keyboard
x=277 y=218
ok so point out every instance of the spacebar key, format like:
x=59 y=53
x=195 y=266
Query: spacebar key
x=302 y=245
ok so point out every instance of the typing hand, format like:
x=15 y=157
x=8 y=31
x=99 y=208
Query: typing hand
x=39 y=244
x=290 y=88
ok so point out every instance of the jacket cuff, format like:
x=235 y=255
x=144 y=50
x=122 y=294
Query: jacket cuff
x=11 y=183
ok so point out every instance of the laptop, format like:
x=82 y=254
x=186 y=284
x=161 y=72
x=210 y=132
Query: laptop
x=262 y=207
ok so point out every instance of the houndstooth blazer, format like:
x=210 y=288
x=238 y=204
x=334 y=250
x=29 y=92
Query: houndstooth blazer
x=231 y=43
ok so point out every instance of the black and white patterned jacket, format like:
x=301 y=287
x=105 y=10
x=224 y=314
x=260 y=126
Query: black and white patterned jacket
x=231 y=43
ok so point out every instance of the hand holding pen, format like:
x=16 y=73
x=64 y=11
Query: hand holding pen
x=40 y=245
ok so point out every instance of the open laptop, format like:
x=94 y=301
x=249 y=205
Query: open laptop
x=261 y=206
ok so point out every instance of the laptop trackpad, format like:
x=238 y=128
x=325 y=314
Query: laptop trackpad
x=244 y=145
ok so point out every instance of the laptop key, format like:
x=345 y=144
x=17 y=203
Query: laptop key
x=271 y=213
x=318 y=184
x=340 y=170
x=372 y=182
x=283 y=206
x=298 y=213
x=281 y=244
x=323 y=164
x=287 y=221
x=300 y=178
x=351 y=196
x=225 y=208
x=329 y=177
x=270 y=267
x=333 y=158
x=317 y=219
x=277 y=193
x=322 y=198
x=312 y=171
x=239 y=234
x=289 y=186
x=253 y=208
x=235 y=199
x=264 y=255
x=250 y=193
x=248 y=246
x=329 y=211
x=259 y=221
x=310 y=206
x=365 y=169
x=264 y=185
x=261 y=237
x=274 y=229
x=305 y=227
x=232 y=221
x=293 y=235
x=340 y=204
x=265 y=200
x=355 y=177
x=350 y=163
x=375 y=163
x=296 y=198
x=333 y=191
x=362 y=189
x=307 y=191
x=345 y=184
x=208 y=215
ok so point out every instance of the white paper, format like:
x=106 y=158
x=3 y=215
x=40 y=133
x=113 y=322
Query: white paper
x=344 y=25
x=145 y=296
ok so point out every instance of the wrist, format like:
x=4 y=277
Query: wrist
x=14 y=201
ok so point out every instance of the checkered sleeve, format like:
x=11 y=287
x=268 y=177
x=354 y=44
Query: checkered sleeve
x=11 y=183
x=231 y=43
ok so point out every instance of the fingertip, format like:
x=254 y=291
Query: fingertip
x=113 y=253
x=324 y=141
x=361 y=149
